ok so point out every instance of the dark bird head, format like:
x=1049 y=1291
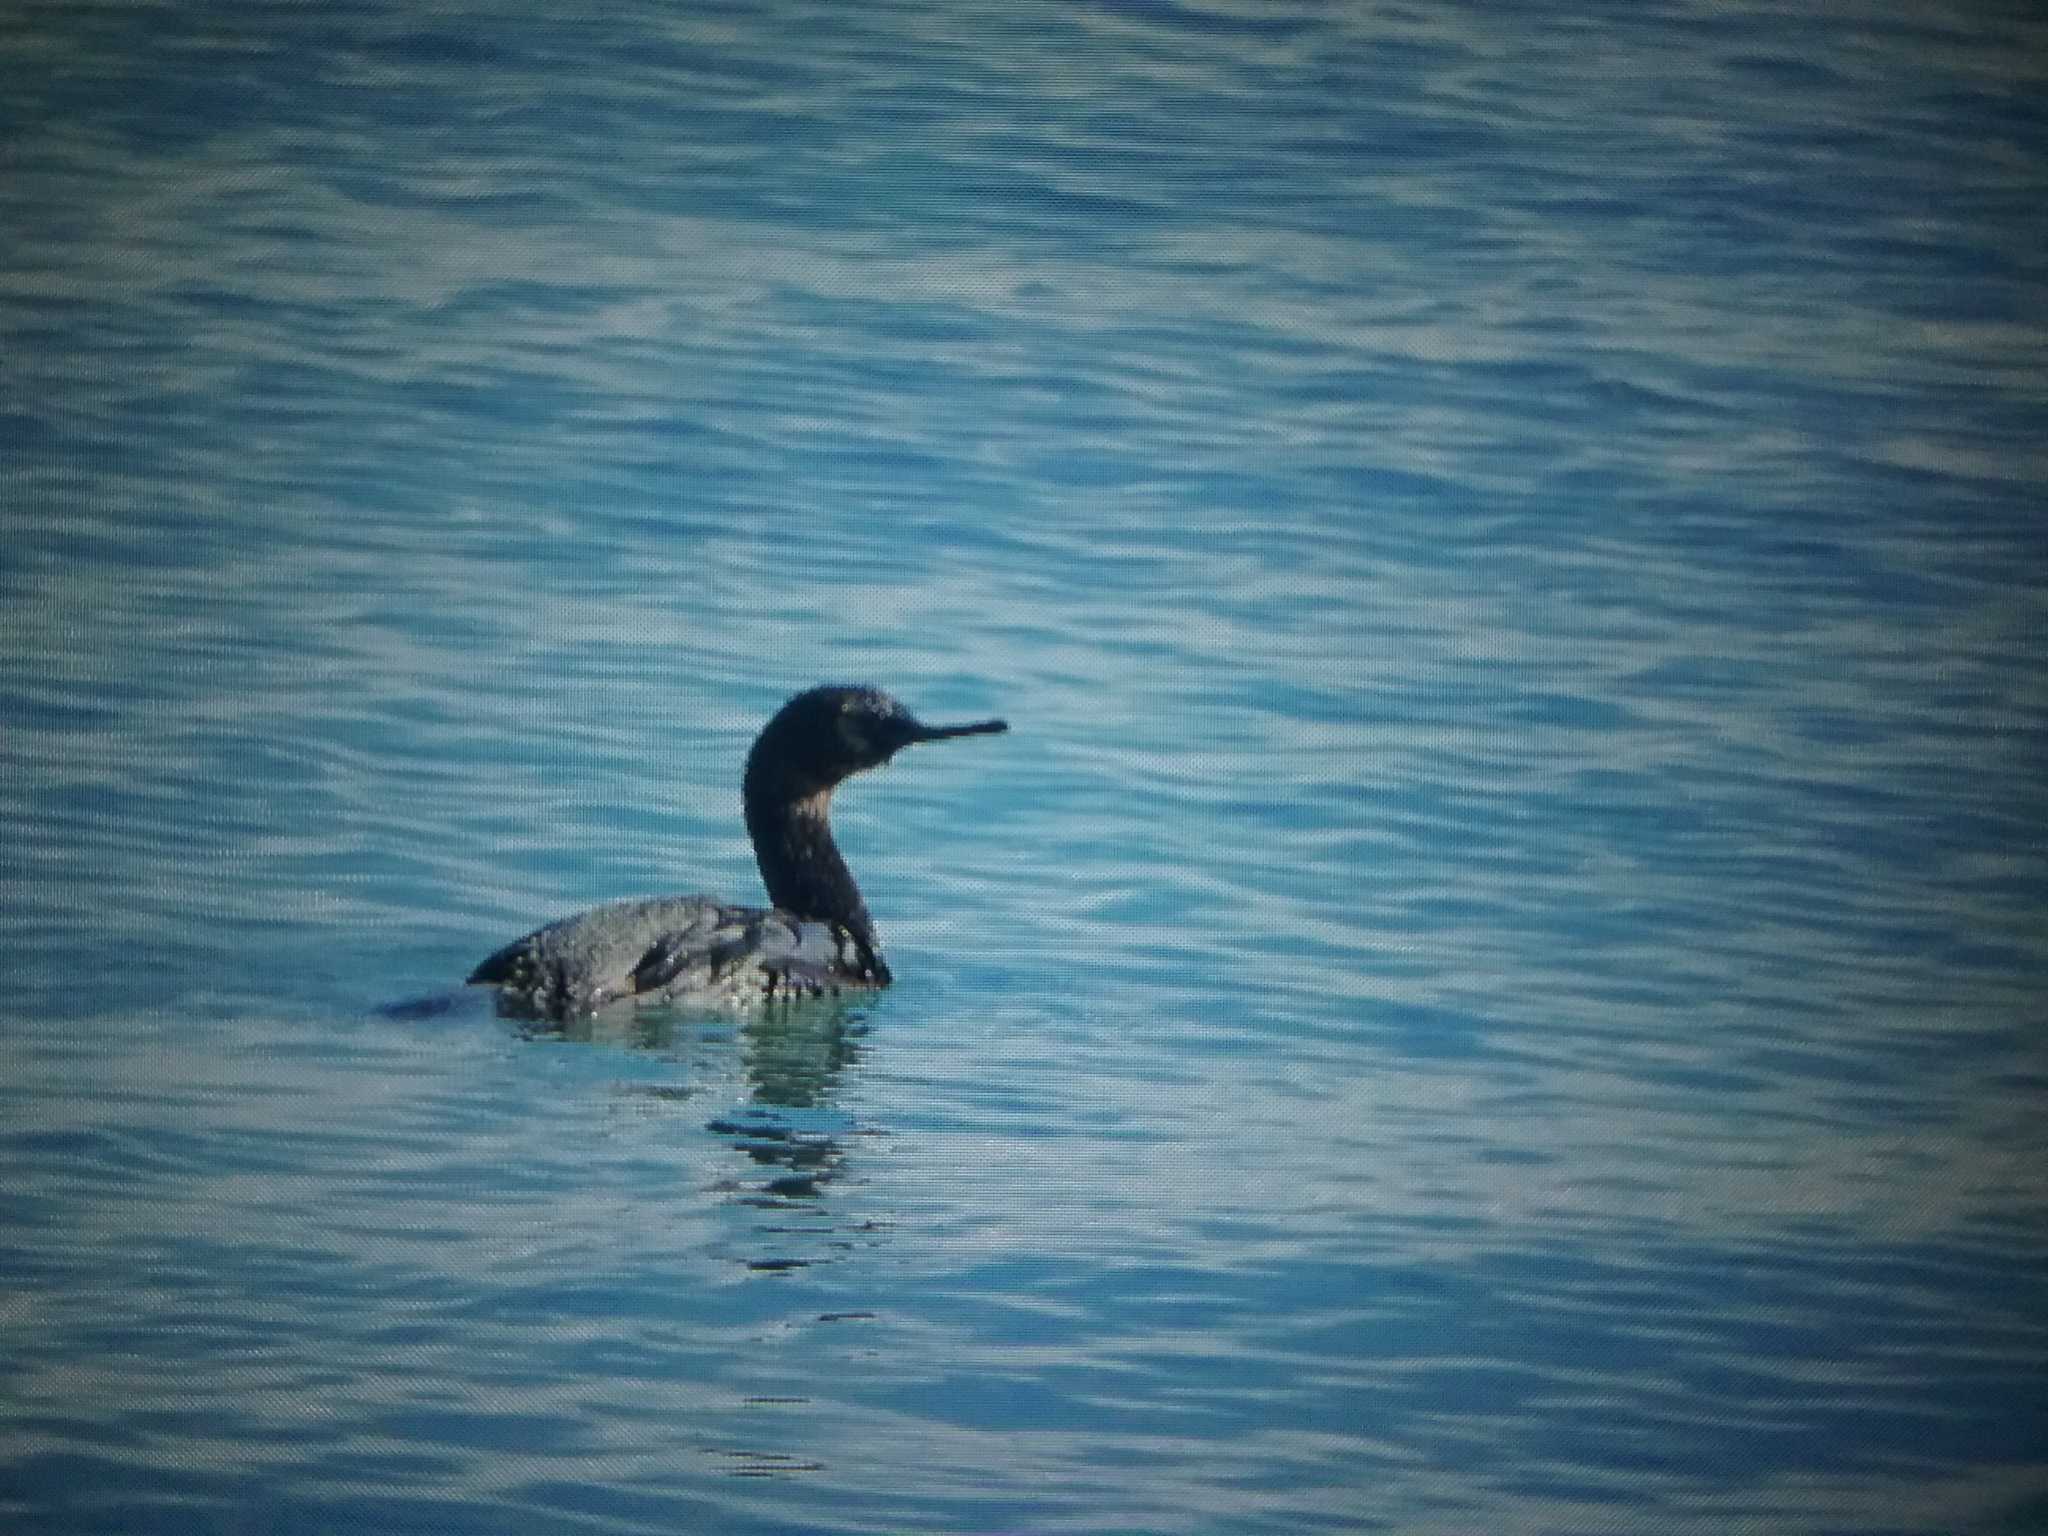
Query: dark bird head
x=828 y=734
x=815 y=740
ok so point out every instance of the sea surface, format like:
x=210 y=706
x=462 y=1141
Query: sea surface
x=1498 y=982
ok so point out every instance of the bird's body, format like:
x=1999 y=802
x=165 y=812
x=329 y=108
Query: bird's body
x=816 y=938
x=669 y=949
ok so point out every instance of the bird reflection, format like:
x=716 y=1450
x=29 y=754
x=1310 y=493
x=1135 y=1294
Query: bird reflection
x=793 y=1054
x=794 y=1049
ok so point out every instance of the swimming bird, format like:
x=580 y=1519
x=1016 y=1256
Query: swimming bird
x=816 y=938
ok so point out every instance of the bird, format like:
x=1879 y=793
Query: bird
x=815 y=938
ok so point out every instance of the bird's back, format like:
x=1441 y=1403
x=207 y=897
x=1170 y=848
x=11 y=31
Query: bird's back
x=670 y=949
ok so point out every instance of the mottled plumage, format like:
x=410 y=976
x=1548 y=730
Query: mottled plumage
x=817 y=938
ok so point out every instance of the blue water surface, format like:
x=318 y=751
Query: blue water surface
x=1496 y=983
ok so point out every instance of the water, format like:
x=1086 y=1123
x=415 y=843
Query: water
x=1494 y=985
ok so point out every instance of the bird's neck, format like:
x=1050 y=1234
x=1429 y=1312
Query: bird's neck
x=800 y=863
